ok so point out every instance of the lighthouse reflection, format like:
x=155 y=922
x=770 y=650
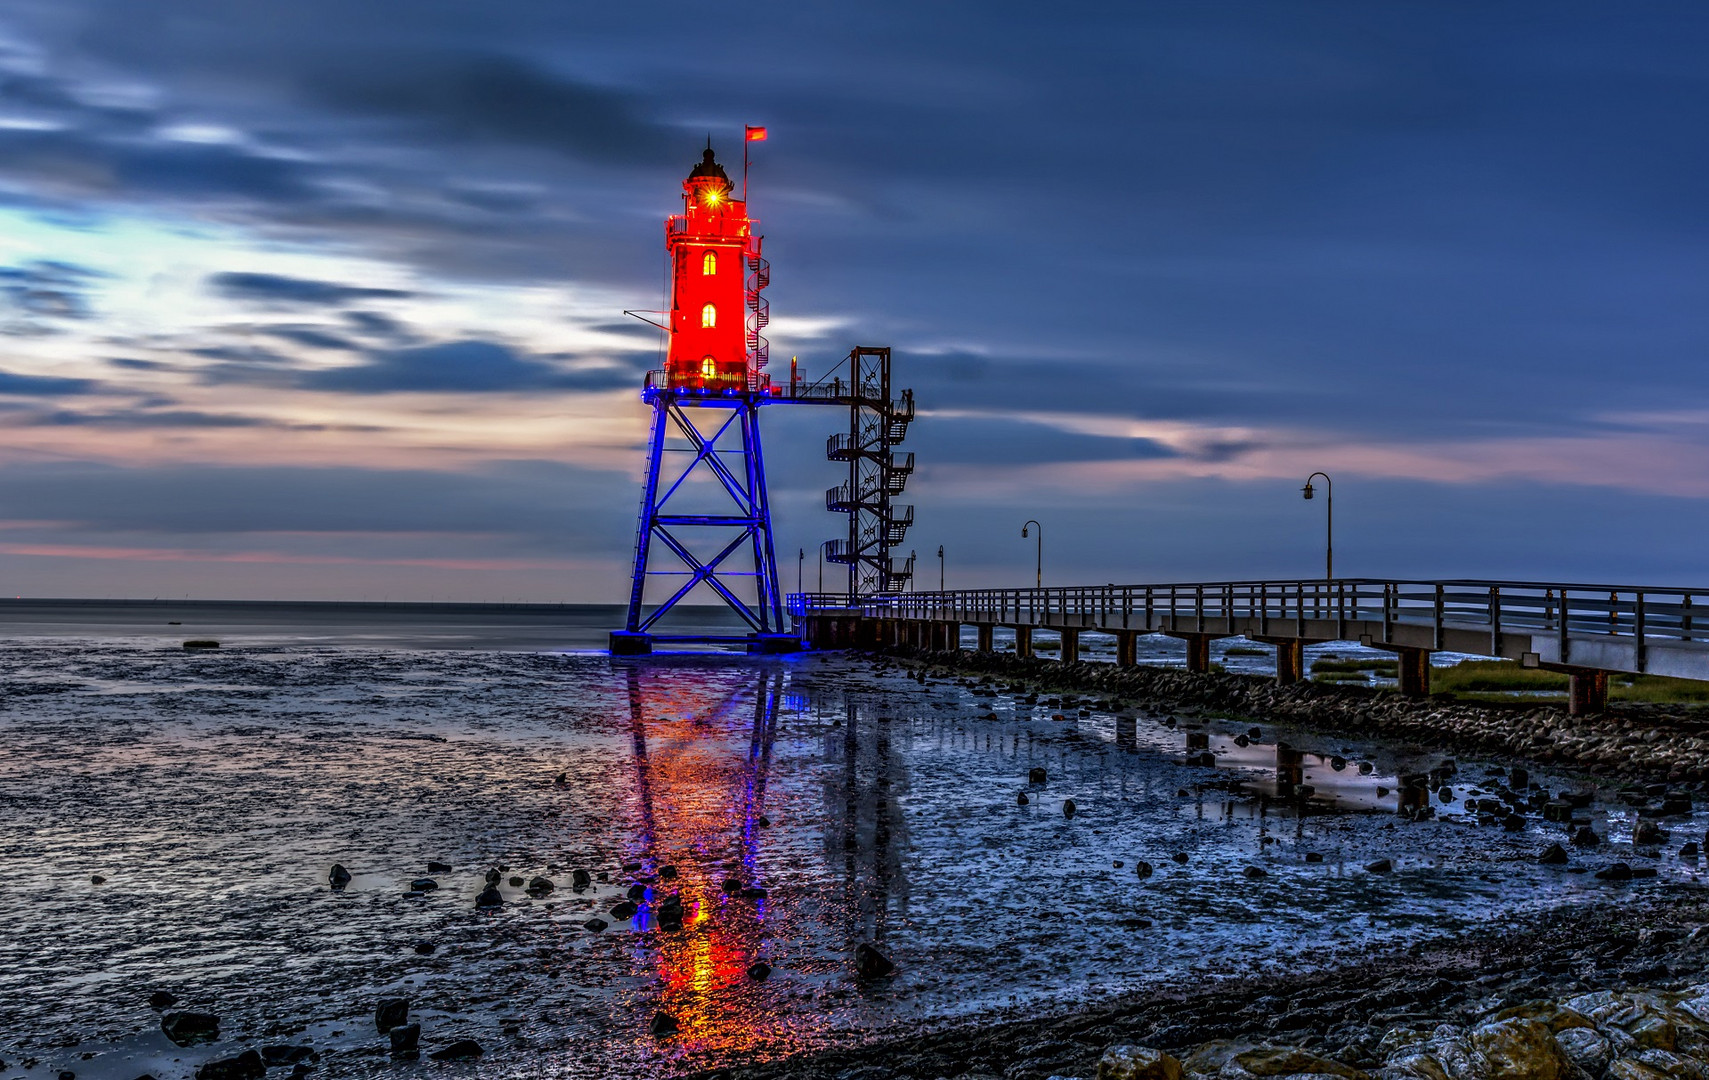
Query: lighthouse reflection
x=705 y=853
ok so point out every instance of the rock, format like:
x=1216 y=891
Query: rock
x=580 y=879
x=494 y=877
x=190 y=1028
x=667 y=873
x=1180 y=857
x=763 y=822
x=461 y=1050
x=1313 y=857
x=162 y=999
x=1519 y=778
x=424 y=884
x=631 y=867
x=1036 y=775
x=406 y=1042
x=1518 y=1049
x=338 y=876
x=1255 y=872
x=1513 y=822
x=539 y=886
x=245 y=1066
x=670 y=913
x=1021 y=798
x=1553 y=855
x=1648 y=832
x=596 y=924
x=1068 y=809
x=1615 y=872
x=424 y=948
x=490 y=897
x=1559 y=1018
x=731 y=886
x=285 y=1054
x=1586 y=837
x=1137 y=1063
x=561 y=780
x=66 y=1074
x=1142 y=868
x=1255 y=733
x=759 y=971
x=1380 y=866
x=97 y=879
x=870 y=963
x=515 y=882
x=1689 y=850
x=753 y=892
x=662 y=1024
x=1587 y=1048
x=1266 y=1061
x=624 y=909
x=638 y=892
x=438 y=867
x=1242 y=740
x=391 y=1013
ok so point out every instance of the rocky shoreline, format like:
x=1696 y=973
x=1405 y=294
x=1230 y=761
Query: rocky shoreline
x=1616 y=993
x=1652 y=743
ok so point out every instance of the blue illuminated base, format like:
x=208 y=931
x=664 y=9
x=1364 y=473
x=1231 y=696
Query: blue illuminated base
x=626 y=643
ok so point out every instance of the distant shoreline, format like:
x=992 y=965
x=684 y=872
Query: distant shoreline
x=10 y=603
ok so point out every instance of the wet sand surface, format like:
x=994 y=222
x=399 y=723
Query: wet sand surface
x=213 y=791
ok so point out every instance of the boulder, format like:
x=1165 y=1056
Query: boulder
x=1554 y=855
x=580 y=879
x=423 y=884
x=1137 y=1063
x=1255 y=872
x=490 y=897
x=1587 y=1048
x=245 y=1066
x=338 y=876
x=438 y=867
x=870 y=963
x=1142 y=868
x=1559 y=1018
x=540 y=886
x=1021 y=798
x=623 y=909
x=1036 y=775
x=596 y=925
x=1519 y=1049
x=1380 y=866
x=162 y=999
x=759 y=971
x=286 y=1054
x=461 y=1050
x=1615 y=872
x=406 y=1042
x=390 y=1013
x=1586 y=837
x=190 y=1028
x=1068 y=809
x=1268 y=1061
x=662 y=1024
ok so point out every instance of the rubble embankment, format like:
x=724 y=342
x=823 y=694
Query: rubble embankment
x=1655 y=743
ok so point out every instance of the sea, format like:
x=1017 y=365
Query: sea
x=288 y=829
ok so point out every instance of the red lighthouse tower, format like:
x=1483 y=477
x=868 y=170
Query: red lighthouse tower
x=717 y=274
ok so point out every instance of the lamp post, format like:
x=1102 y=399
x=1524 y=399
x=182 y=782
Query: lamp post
x=940 y=568
x=1038 y=574
x=821 y=566
x=1328 y=522
x=800 y=561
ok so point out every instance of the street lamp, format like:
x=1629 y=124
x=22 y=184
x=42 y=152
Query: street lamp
x=800 y=561
x=1328 y=522
x=940 y=568
x=821 y=567
x=1038 y=574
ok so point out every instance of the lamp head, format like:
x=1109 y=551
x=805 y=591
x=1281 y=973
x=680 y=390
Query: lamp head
x=1023 y=532
x=1307 y=490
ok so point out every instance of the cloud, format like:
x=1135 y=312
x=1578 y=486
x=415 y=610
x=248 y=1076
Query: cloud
x=139 y=418
x=470 y=366
x=280 y=290
x=44 y=385
x=313 y=337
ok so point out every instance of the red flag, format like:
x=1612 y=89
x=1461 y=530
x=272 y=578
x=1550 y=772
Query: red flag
x=756 y=134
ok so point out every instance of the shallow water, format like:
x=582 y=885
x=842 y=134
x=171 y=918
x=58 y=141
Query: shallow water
x=214 y=790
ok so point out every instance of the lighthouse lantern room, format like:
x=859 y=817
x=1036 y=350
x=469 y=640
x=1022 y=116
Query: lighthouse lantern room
x=717 y=274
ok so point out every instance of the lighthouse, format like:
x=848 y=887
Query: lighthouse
x=705 y=525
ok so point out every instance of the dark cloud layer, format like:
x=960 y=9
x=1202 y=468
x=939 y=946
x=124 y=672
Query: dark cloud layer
x=461 y=367
x=279 y=289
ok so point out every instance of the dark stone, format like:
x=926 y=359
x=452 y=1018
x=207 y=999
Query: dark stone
x=1586 y=837
x=596 y=925
x=1021 y=798
x=561 y=780
x=1643 y=871
x=1553 y=855
x=1558 y=811
x=424 y=884
x=338 y=876
x=1255 y=733
x=1068 y=808
x=539 y=886
x=631 y=867
x=424 y=948
x=639 y=892
x=731 y=885
x=670 y=913
x=245 y=1066
x=623 y=909
x=190 y=1028
x=754 y=892
x=162 y=999
x=494 y=877
x=66 y=1074
x=516 y=882
x=461 y=1050
x=667 y=873
x=1313 y=856
x=764 y=822
x=438 y=867
x=662 y=1024
x=580 y=879
x=391 y=1013
x=286 y=1054
x=1036 y=775
x=97 y=879
x=1380 y=866
x=406 y=1042
x=1241 y=740
x=1255 y=872
x=1513 y=822
x=759 y=971
x=1180 y=857
x=1648 y=832
x=870 y=963
x=1616 y=872
x=490 y=897
x=1142 y=868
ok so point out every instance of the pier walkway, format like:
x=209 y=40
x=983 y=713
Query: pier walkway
x=1585 y=631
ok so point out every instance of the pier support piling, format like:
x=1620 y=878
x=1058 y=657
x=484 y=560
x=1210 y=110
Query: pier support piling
x=1198 y=651
x=1587 y=691
x=1024 y=642
x=1070 y=646
x=986 y=633
x=1290 y=662
x=1414 y=672
x=1127 y=649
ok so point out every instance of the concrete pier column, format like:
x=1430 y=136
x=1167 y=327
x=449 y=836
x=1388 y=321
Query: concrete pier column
x=1414 y=672
x=951 y=636
x=1587 y=691
x=1198 y=652
x=985 y=634
x=1127 y=649
x=1290 y=662
x=1024 y=642
x=1070 y=646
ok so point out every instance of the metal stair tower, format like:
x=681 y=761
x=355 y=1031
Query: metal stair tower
x=877 y=474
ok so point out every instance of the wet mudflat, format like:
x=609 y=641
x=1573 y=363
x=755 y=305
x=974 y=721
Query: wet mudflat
x=798 y=807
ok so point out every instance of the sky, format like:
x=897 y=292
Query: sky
x=322 y=299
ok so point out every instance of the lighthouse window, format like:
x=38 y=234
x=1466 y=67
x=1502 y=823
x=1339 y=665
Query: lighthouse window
x=709 y=264
x=708 y=316
x=708 y=368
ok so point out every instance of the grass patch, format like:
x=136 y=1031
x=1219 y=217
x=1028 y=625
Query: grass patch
x=1495 y=677
x=1390 y=668
x=1339 y=677
x=1656 y=688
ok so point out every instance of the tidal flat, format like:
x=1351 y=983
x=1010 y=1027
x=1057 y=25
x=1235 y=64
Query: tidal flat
x=796 y=808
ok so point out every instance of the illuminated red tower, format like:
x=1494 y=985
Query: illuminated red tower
x=717 y=274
